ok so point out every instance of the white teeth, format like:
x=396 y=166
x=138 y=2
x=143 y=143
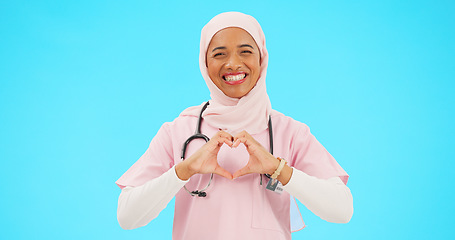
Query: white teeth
x=234 y=77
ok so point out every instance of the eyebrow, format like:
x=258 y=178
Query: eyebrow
x=240 y=46
x=218 y=48
x=246 y=45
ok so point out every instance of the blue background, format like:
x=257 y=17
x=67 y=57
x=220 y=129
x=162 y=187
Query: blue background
x=85 y=85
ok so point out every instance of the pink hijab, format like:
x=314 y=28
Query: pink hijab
x=234 y=115
x=250 y=112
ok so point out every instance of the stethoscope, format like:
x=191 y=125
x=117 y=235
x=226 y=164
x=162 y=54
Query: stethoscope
x=199 y=135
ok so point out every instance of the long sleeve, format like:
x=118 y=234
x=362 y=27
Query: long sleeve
x=137 y=206
x=330 y=199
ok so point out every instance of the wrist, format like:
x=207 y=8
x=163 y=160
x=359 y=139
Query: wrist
x=285 y=175
x=276 y=164
x=279 y=168
x=182 y=171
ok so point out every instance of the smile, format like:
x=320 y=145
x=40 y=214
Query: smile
x=234 y=78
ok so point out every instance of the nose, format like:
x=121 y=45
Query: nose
x=233 y=62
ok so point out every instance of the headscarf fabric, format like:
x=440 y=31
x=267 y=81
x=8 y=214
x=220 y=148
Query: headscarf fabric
x=250 y=112
x=234 y=115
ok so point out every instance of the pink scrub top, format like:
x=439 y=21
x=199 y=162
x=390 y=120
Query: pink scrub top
x=233 y=209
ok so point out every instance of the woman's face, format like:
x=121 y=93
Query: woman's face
x=233 y=61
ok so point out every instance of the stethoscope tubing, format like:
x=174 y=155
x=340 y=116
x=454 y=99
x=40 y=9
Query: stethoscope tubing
x=199 y=135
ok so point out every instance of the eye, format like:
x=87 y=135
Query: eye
x=218 y=54
x=246 y=51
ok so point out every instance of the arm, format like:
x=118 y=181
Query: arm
x=330 y=199
x=137 y=206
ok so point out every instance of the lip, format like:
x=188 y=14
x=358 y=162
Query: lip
x=235 y=82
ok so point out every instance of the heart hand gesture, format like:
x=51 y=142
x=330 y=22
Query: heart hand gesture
x=205 y=159
x=261 y=161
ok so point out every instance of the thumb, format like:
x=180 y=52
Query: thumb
x=245 y=170
x=222 y=172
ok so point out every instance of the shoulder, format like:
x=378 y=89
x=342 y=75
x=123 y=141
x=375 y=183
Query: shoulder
x=180 y=122
x=283 y=122
x=176 y=130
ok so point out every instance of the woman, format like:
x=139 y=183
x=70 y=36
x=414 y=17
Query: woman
x=241 y=202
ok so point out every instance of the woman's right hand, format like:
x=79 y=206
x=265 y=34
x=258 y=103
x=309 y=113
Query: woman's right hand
x=205 y=159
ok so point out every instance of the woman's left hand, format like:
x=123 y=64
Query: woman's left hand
x=261 y=161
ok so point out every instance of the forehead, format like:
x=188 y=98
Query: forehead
x=232 y=36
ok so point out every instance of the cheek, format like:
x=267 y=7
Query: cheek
x=213 y=71
x=210 y=69
x=255 y=68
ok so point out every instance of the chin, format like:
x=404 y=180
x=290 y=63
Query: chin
x=236 y=94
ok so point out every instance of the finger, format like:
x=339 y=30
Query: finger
x=236 y=143
x=240 y=135
x=222 y=133
x=237 y=140
x=224 y=137
x=241 y=140
x=222 y=172
x=228 y=142
x=245 y=170
x=245 y=135
x=221 y=141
